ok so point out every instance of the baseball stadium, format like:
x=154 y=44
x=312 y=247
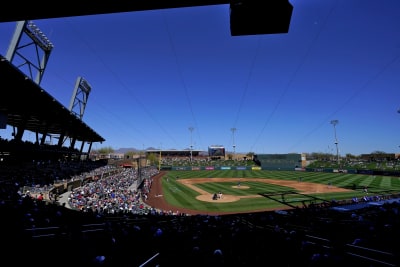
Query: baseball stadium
x=70 y=205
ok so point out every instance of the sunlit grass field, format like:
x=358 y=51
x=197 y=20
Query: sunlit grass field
x=182 y=196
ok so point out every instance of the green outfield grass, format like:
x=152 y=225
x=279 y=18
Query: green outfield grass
x=180 y=195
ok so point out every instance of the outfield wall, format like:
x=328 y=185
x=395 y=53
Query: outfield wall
x=213 y=168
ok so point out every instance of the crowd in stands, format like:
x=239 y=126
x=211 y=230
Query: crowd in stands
x=390 y=166
x=311 y=236
x=115 y=194
x=104 y=226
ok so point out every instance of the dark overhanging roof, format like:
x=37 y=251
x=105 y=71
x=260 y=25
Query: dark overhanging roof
x=32 y=10
x=247 y=17
x=25 y=104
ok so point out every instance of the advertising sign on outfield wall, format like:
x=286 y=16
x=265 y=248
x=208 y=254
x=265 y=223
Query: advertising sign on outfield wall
x=225 y=168
x=256 y=168
x=241 y=168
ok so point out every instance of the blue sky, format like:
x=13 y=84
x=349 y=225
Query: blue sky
x=155 y=74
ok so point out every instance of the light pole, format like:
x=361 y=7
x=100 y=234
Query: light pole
x=159 y=160
x=334 y=122
x=398 y=111
x=143 y=156
x=191 y=145
x=233 y=140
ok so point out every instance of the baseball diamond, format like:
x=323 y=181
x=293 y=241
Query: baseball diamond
x=285 y=194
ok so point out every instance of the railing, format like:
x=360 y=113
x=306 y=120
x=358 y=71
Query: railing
x=149 y=260
x=377 y=257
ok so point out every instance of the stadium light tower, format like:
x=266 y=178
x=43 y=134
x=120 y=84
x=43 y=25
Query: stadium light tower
x=159 y=160
x=398 y=111
x=233 y=140
x=334 y=123
x=191 y=144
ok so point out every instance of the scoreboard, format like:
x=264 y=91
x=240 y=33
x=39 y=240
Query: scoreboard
x=216 y=151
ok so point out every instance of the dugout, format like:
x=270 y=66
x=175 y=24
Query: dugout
x=279 y=161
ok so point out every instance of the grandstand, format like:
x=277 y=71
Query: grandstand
x=169 y=153
x=113 y=225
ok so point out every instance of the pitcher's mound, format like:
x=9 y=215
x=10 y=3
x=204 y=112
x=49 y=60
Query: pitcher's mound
x=224 y=199
x=241 y=187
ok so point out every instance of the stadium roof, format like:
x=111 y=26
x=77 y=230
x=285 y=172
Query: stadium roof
x=246 y=17
x=25 y=104
x=31 y=10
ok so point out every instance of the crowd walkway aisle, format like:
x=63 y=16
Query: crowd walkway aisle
x=63 y=199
